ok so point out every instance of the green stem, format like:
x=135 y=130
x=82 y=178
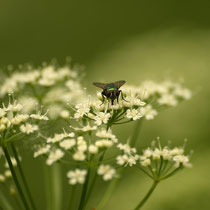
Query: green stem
x=173 y=172
x=146 y=197
x=93 y=180
x=84 y=191
x=109 y=191
x=15 y=177
x=71 y=200
x=136 y=133
x=140 y=168
x=23 y=176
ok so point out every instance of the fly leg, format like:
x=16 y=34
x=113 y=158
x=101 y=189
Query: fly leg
x=123 y=96
x=103 y=99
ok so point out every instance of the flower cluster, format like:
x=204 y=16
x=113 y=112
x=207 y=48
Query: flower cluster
x=51 y=86
x=14 y=123
x=144 y=101
x=161 y=163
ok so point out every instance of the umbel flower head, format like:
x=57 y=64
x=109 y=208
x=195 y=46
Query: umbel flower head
x=13 y=123
x=84 y=148
x=160 y=162
x=144 y=101
x=50 y=85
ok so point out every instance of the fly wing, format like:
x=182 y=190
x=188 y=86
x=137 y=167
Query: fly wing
x=119 y=83
x=100 y=85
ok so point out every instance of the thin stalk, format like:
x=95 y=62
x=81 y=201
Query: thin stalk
x=136 y=133
x=23 y=176
x=15 y=177
x=172 y=173
x=114 y=182
x=109 y=191
x=144 y=171
x=84 y=192
x=94 y=180
x=4 y=202
x=147 y=196
x=72 y=196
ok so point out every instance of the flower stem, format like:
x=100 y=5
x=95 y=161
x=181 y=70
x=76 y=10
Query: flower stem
x=84 y=191
x=136 y=133
x=146 y=197
x=71 y=200
x=23 y=176
x=15 y=177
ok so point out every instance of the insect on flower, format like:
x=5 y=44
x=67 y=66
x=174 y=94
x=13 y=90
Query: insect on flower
x=111 y=90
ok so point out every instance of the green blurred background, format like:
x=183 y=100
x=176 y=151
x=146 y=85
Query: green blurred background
x=132 y=40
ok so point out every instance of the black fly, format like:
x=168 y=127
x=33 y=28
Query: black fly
x=111 y=90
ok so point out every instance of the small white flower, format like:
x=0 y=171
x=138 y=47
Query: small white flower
x=133 y=114
x=101 y=117
x=106 y=171
x=65 y=114
x=39 y=117
x=7 y=173
x=145 y=162
x=2 y=112
x=183 y=92
x=54 y=156
x=93 y=149
x=148 y=112
x=28 y=128
x=104 y=143
x=42 y=150
x=148 y=153
x=168 y=99
x=126 y=148
x=79 y=156
x=67 y=143
x=156 y=154
x=77 y=176
x=2 y=178
x=81 y=144
x=82 y=109
x=181 y=159
x=103 y=133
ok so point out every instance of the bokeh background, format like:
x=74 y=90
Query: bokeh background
x=132 y=40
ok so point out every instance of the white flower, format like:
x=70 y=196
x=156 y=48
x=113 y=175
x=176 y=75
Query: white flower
x=86 y=128
x=176 y=151
x=79 y=156
x=29 y=103
x=28 y=128
x=42 y=150
x=148 y=112
x=148 y=153
x=39 y=117
x=106 y=171
x=2 y=127
x=126 y=148
x=2 y=112
x=2 y=178
x=81 y=144
x=56 y=138
x=156 y=154
x=65 y=114
x=67 y=143
x=77 y=176
x=167 y=99
x=181 y=159
x=103 y=133
x=127 y=159
x=54 y=156
x=101 y=117
x=133 y=114
x=104 y=143
x=183 y=92
x=7 y=173
x=82 y=109
x=93 y=149
x=146 y=162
